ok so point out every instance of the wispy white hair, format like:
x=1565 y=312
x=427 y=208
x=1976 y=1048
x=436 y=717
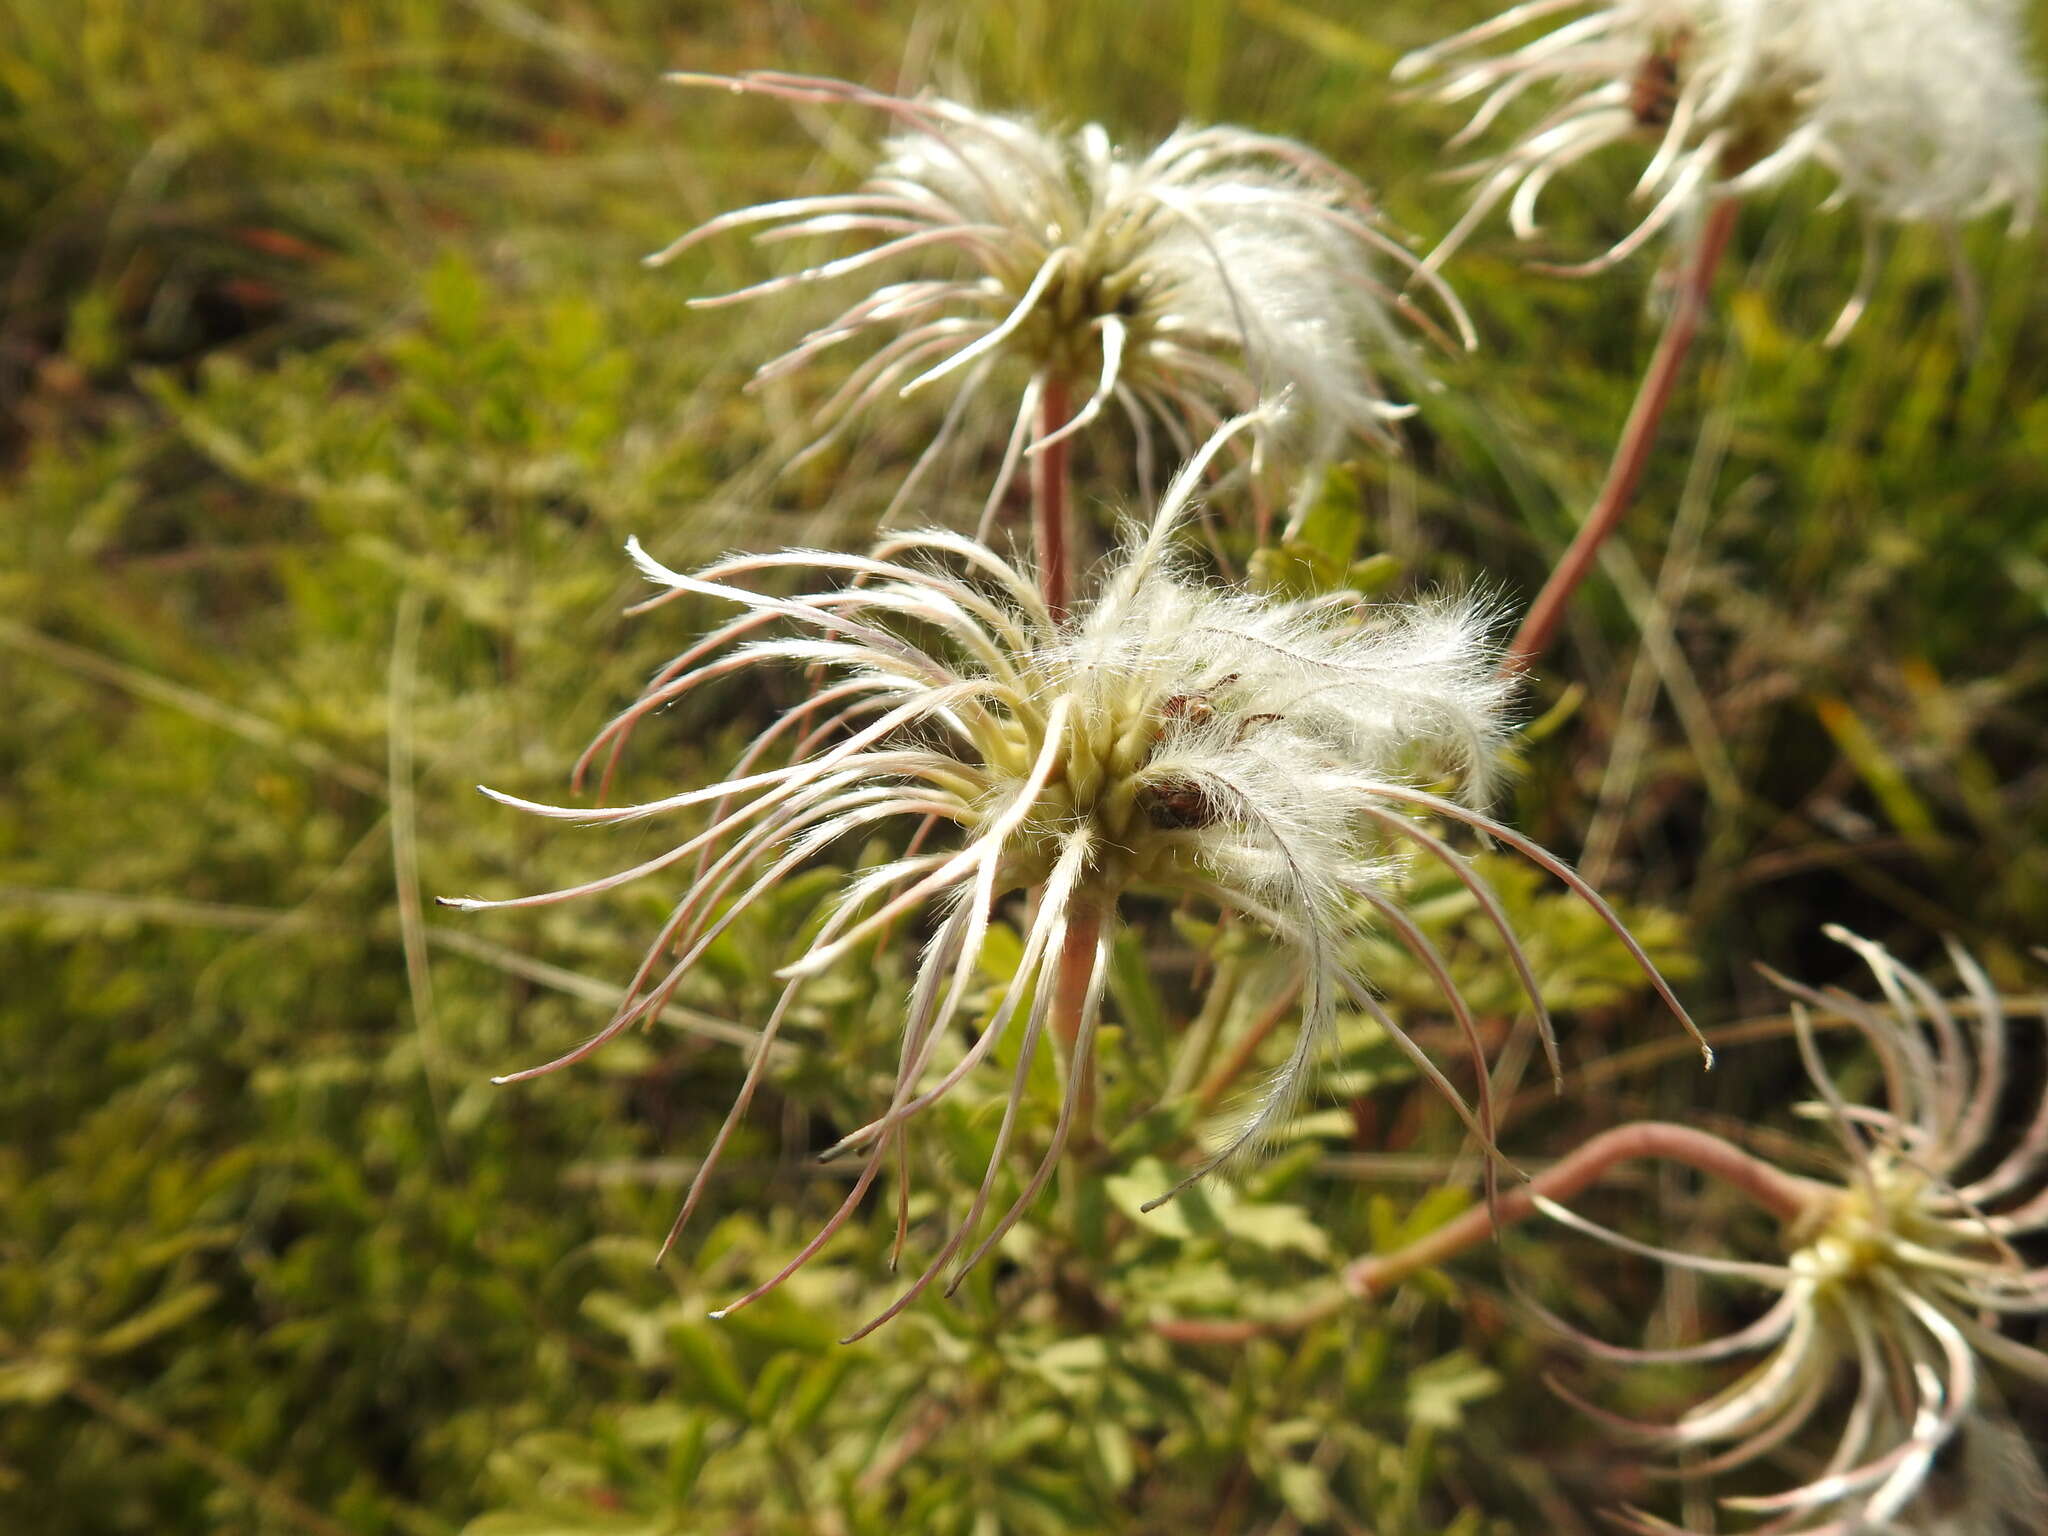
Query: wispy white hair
x=1175 y=287
x=1267 y=757
x=1921 y=109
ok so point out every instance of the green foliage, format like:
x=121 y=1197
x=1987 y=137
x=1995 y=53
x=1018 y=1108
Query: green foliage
x=333 y=387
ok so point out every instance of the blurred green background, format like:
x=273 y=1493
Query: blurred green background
x=330 y=386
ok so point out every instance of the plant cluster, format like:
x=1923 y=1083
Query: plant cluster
x=1061 y=747
x=1078 y=902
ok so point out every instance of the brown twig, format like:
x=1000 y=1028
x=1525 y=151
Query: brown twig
x=1546 y=614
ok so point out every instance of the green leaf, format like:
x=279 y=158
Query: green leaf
x=1034 y=1429
x=1148 y=1179
x=1074 y=1366
x=1119 y=1460
x=455 y=299
x=645 y=1424
x=780 y=1321
x=1278 y=1228
x=1137 y=997
x=1332 y=525
x=1161 y=1127
x=706 y=1359
x=772 y=1386
x=687 y=1455
x=175 y=1309
x=1439 y=1391
x=1432 y=1211
x=1373 y=574
x=38 y=1379
x=1320 y=556
x=819 y=1386
x=1000 y=954
x=1884 y=775
x=1305 y=1491
x=641 y=1329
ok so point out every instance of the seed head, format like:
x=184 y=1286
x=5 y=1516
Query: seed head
x=1899 y=1277
x=1170 y=736
x=1219 y=270
x=1920 y=109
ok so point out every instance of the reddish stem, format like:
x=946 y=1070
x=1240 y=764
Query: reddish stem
x=1786 y=1196
x=1546 y=614
x=1074 y=968
x=1049 y=495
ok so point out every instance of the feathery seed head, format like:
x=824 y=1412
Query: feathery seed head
x=1264 y=757
x=1221 y=270
x=1921 y=109
x=1898 y=1277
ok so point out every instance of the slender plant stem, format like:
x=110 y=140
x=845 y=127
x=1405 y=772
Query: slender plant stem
x=1546 y=614
x=138 y=1420
x=1786 y=1196
x=1050 y=496
x=1073 y=969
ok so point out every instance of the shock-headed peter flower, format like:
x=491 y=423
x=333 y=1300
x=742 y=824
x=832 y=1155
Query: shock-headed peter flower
x=1175 y=287
x=1921 y=109
x=1900 y=1277
x=1168 y=736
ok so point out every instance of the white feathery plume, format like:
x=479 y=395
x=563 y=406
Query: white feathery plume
x=1920 y=109
x=1900 y=1279
x=1174 y=288
x=1264 y=756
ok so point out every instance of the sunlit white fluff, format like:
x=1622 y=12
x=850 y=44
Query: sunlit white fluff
x=1921 y=109
x=1265 y=757
x=1900 y=1278
x=1171 y=288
